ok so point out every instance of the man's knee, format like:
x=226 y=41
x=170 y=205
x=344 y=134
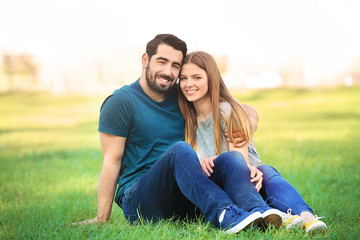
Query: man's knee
x=183 y=150
x=268 y=171
x=182 y=145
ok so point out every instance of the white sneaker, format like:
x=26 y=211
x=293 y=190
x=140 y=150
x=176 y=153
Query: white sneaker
x=314 y=225
x=292 y=221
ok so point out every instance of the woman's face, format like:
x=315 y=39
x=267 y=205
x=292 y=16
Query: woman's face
x=194 y=83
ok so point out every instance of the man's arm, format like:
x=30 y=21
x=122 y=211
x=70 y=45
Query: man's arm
x=253 y=117
x=252 y=114
x=113 y=149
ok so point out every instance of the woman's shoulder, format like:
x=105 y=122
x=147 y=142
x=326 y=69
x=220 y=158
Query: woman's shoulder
x=225 y=108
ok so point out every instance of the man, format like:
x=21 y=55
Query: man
x=158 y=176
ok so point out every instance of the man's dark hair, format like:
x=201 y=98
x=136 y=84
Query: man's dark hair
x=168 y=39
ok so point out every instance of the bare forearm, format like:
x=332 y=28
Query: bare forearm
x=243 y=150
x=106 y=190
x=113 y=148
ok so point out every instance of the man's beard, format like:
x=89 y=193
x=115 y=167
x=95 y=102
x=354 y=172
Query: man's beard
x=151 y=81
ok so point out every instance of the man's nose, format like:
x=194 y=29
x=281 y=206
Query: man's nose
x=167 y=70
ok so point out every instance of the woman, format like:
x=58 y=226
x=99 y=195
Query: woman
x=209 y=109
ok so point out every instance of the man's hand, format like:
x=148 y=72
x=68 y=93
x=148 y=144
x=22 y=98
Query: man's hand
x=240 y=140
x=207 y=165
x=256 y=177
x=90 y=221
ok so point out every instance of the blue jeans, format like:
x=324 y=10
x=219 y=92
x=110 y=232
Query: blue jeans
x=279 y=193
x=176 y=186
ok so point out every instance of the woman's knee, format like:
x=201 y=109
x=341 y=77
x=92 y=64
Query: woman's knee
x=268 y=171
x=231 y=158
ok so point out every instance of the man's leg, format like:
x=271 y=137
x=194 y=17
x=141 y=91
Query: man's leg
x=279 y=193
x=161 y=191
x=232 y=174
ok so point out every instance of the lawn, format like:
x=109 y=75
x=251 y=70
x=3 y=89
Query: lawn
x=50 y=161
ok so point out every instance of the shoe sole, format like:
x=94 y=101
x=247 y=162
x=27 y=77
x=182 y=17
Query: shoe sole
x=272 y=217
x=318 y=227
x=253 y=219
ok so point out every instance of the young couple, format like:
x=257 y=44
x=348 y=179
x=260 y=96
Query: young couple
x=161 y=176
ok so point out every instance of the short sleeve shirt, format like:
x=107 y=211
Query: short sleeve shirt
x=150 y=127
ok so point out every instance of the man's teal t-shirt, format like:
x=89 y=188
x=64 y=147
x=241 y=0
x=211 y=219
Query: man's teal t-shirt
x=150 y=127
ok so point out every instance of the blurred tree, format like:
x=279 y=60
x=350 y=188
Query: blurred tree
x=20 y=69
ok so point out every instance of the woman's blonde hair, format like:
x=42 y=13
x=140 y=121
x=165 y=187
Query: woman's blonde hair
x=218 y=92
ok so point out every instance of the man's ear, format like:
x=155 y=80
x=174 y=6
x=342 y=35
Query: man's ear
x=145 y=60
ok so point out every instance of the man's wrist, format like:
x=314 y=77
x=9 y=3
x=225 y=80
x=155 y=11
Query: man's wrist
x=98 y=219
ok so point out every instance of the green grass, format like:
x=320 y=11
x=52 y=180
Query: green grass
x=50 y=160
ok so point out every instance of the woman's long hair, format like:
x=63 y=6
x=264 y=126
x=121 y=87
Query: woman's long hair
x=218 y=92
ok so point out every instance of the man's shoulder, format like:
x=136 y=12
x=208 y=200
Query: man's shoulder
x=121 y=97
x=126 y=89
x=125 y=92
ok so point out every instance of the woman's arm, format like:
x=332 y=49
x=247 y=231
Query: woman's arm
x=255 y=174
x=243 y=150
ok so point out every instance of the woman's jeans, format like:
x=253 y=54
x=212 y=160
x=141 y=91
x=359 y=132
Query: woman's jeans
x=279 y=193
x=176 y=186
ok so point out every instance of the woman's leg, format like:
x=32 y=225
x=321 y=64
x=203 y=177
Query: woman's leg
x=232 y=174
x=161 y=192
x=280 y=194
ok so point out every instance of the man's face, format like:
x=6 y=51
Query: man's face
x=163 y=68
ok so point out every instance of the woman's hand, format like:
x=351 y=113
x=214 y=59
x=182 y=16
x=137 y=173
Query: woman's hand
x=207 y=165
x=256 y=177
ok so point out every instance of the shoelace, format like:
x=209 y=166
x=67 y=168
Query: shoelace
x=234 y=212
x=288 y=214
x=314 y=218
x=229 y=210
x=310 y=219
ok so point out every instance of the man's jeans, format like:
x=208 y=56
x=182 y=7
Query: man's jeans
x=176 y=186
x=279 y=193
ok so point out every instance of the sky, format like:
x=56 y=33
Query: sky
x=69 y=31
